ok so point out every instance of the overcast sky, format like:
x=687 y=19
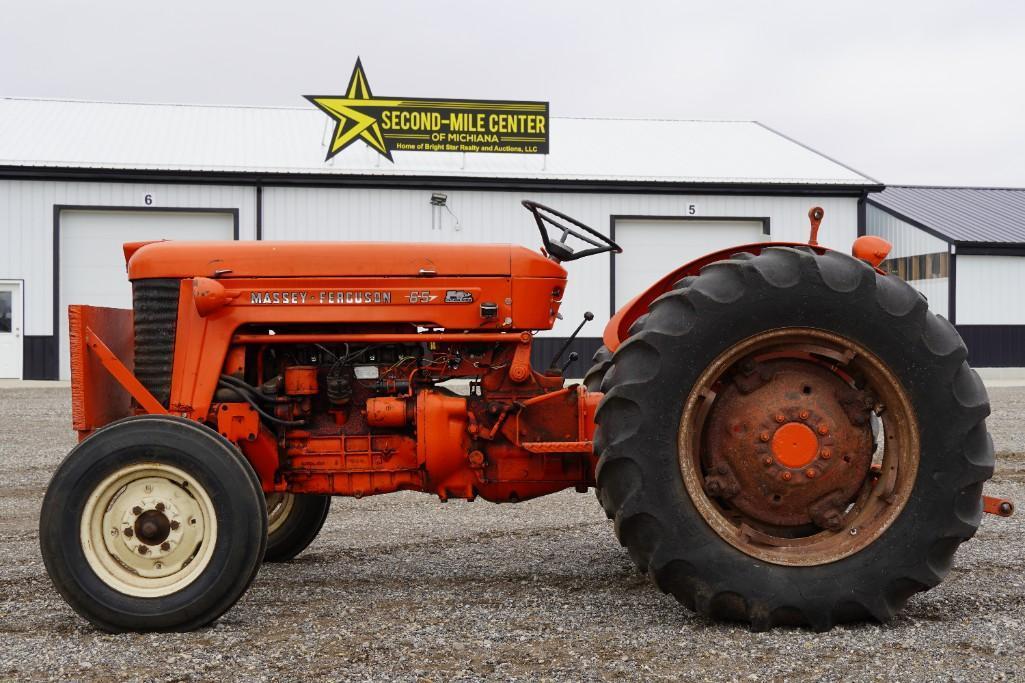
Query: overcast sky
x=924 y=92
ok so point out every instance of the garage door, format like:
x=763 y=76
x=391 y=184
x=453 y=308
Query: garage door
x=92 y=264
x=654 y=247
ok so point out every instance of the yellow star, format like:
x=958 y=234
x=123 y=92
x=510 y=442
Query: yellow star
x=355 y=115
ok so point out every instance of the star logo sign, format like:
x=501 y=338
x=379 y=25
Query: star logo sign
x=419 y=124
x=356 y=115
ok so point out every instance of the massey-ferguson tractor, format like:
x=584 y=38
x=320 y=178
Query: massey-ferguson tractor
x=783 y=434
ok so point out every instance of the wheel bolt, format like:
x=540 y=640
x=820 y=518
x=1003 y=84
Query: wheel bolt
x=804 y=414
x=786 y=476
x=165 y=546
x=174 y=524
x=826 y=454
x=823 y=429
x=136 y=510
x=781 y=418
x=811 y=473
x=160 y=507
x=764 y=436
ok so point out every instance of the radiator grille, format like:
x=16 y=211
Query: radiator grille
x=155 y=303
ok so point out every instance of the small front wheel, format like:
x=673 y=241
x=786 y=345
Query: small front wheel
x=153 y=523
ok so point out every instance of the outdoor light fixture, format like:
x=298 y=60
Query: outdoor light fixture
x=439 y=200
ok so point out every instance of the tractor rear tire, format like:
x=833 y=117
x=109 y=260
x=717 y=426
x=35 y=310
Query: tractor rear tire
x=682 y=534
x=153 y=523
x=600 y=364
x=294 y=520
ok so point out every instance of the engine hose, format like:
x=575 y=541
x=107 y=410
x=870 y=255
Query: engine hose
x=267 y=416
x=241 y=385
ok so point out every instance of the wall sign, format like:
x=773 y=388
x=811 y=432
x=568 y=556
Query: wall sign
x=412 y=124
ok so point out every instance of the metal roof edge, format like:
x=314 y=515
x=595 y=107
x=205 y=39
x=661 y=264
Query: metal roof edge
x=824 y=156
x=426 y=181
x=956 y=187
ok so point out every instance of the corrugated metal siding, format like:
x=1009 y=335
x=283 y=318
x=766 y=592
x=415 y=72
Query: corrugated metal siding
x=406 y=215
x=26 y=226
x=937 y=291
x=77 y=134
x=907 y=240
x=989 y=290
x=963 y=214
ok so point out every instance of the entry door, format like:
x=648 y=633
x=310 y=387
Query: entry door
x=11 y=327
x=653 y=247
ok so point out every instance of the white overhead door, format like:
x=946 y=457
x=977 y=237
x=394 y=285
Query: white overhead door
x=10 y=329
x=653 y=247
x=92 y=263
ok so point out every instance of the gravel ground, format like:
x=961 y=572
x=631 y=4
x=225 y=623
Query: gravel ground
x=402 y=587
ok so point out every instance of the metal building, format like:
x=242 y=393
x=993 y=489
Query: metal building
x=77 y=179
x=964 y=248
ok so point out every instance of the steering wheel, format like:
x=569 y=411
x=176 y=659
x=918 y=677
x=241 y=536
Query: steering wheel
x=560 y=251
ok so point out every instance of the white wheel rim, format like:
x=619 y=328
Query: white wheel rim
x=148 y=530
x=279 y=507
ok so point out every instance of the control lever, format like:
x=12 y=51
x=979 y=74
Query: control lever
x=573 y=356
x=588 y=317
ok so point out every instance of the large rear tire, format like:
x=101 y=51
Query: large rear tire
x=294 y=520
x=746 y=387
x=153 y=523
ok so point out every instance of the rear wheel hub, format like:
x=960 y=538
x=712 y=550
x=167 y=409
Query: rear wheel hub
x=785 y=441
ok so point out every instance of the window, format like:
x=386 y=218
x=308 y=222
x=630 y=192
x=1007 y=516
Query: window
x=919 y=266
x=6 y=304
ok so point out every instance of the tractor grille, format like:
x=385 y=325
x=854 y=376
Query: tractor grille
x=155 y=303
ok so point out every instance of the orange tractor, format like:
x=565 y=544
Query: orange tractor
x=783 y=434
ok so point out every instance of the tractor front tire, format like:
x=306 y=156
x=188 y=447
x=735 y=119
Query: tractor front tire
x=294 y=520
x=771 y=369
x=153 y=523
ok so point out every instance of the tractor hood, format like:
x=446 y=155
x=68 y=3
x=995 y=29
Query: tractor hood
x=170 y=259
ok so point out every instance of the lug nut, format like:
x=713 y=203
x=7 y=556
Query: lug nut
x=165 y=546
x=143 y=550
x=136 y=510
x=826 y=454
x=804 y=414
x=823 y=429
x=160 y=507
x=786 y=476
x=811 y=473
x=128 y=532
x=764 y=436
x=781 y=418
x=174 y=524
x=766 y=461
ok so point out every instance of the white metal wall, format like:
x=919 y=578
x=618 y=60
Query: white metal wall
x=406 y=215
x=907 y=240
x=26 y=226
x=989 y=290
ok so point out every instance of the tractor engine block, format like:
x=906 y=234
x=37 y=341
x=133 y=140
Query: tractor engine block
x=364 y=420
